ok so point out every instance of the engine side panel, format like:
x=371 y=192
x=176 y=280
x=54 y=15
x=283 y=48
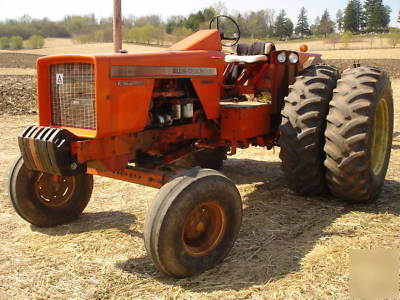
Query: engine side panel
x=124 y=86
x=209 y=92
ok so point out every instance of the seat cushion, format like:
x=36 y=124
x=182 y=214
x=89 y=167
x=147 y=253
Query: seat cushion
x=248 y=59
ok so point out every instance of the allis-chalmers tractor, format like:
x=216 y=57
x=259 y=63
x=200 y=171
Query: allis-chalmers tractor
x=168 y=120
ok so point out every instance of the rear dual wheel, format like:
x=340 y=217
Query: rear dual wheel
x=350 y=158
x=302 y=129
x=193 y=222
x=359 y=134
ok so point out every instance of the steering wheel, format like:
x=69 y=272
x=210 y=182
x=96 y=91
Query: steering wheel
x=235 y=37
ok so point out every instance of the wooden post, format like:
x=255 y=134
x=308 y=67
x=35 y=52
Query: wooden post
x=117 y=34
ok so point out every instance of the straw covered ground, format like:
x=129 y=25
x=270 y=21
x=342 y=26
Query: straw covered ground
x=289 y=247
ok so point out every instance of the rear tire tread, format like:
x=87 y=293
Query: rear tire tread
x=347 y=134
x=303 y=125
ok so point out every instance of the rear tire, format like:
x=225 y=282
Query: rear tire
x=38 y=201
x=193 y=222
x=359 y=134
x=302 y=129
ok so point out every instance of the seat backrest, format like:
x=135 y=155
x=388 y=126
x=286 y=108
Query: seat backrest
x=242 y=49
x=257 y=48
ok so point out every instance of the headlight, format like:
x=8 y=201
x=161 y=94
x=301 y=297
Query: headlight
x=293 y=58
x=281 y=57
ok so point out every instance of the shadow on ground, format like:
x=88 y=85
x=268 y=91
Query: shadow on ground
x=279 y=228
x=88 y=222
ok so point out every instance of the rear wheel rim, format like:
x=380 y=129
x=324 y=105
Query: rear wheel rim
x=380 y=136
x=53 y=190
x=204 y=229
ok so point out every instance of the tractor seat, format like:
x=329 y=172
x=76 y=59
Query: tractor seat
x=250 y=54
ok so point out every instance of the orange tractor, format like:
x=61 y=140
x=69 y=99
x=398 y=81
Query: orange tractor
x=167 y=119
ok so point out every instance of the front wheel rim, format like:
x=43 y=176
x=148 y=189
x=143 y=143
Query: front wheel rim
x=204 y=229
x=380 y=136
x=53 y=190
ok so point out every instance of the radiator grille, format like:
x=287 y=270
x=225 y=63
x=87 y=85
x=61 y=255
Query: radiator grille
x=73 y=95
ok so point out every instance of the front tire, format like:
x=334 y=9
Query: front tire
x=48 y=200
x=193 y=222
x=359 y=134
x=302 y=130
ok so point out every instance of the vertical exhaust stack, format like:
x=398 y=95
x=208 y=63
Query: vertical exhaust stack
x=117 y=33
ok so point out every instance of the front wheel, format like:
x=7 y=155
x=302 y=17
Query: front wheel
x=45 y=199
x=193 y=222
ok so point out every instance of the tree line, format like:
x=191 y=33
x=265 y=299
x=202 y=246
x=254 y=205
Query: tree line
x=357 y=17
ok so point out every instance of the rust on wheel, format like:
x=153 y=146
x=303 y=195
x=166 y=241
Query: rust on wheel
x=193 y=222
x=53 y=190
x=204 y=228
x=380 y=136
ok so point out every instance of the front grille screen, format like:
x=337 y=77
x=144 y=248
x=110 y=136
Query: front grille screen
x=73 y=95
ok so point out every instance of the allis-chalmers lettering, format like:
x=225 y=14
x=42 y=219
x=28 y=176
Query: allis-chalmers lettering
x=144 y=71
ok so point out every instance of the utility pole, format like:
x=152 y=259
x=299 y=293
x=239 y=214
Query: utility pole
x=117 y=33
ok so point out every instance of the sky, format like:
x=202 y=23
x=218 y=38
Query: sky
x=57 y=9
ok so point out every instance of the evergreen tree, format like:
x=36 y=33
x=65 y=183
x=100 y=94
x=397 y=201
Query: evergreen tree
x=398 y=17
x=283 y=25
x=377 y=15
x=370 y=14
x=315 y=27
x=289 y=28
x=360 y=13
x=302 y=27
x=349 y=19
x=339 y=20
x=326 y=25
x=353 y=19
x=386 y=16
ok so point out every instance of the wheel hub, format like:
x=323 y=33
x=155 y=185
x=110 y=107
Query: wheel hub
x=204 y=228
x=380 y=136
x=53 y=190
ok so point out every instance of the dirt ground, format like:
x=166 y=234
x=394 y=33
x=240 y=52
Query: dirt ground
x=18 y=94
x=18 y=60
x=59 y=45
x=355 y=43
x=289 y=247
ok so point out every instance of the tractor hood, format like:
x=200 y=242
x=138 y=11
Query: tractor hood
x=110 y=94
x=201 y=40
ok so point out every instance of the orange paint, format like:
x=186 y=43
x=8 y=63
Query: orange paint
x=200 y=40
x=123 y=109
x=124 y=85
x=304 y=48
